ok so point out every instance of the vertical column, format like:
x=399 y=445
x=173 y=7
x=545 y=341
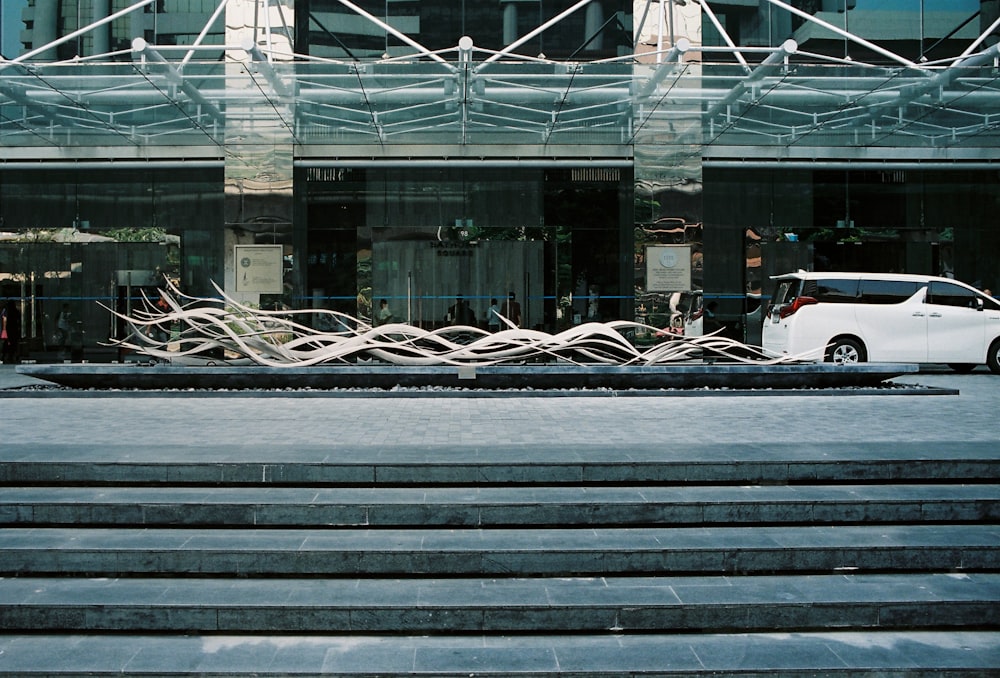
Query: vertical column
x=259 y=143
x=668 y=171
x=509 y=21
x=45 y=27
x=101 y=36
x=989 y=12
x=594 y=20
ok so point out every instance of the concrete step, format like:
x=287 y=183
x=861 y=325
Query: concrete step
x=340 y=552
x=622 y=558
x=493 y=506
x=507 y=605
x=546 y=462
x=914 y=654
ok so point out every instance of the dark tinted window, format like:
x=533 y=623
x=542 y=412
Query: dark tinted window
x=329 y=29
x=949 y=294
x=833 y=290
x=886 y=291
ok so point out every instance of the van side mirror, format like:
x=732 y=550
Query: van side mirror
x=979 y=304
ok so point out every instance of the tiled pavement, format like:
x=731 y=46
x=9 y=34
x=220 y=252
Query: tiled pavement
x=637 y=423
x=566 y=431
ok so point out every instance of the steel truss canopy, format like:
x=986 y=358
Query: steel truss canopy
x=668 y=103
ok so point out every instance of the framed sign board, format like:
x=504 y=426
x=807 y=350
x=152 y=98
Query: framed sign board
x=668 y=268
x=259 y=268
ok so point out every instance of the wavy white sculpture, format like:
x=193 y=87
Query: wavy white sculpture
x=193 y=326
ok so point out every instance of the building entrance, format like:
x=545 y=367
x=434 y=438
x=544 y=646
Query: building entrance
x=441 y=282
x=420 y=239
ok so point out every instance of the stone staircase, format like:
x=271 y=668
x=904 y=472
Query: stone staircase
x=712 y=560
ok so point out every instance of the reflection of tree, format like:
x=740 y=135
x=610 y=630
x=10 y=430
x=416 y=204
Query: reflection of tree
x=137 y=234
x=34 y=235
x=149 y=234
x=646 y=208
x=853 y=235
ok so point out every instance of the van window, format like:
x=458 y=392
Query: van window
x=886 y=291
x=949 y=294
x=836 y=290
x=786 y=292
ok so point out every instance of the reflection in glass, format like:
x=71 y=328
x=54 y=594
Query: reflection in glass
x=421 y=238
x=105 y=237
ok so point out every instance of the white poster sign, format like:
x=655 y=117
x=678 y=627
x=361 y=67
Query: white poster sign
x=259 y=269
x=668 y=268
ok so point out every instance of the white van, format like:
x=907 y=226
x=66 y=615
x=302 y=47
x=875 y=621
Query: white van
x=857 y=317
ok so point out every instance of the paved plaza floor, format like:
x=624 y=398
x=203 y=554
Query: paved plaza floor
x=287 y=418
x=943 y=415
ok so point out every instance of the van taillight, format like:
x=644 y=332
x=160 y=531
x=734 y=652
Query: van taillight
x=791 y=308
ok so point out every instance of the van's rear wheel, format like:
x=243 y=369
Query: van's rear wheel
x=993 y=357
x=845 y=351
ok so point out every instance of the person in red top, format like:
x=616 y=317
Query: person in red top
x=11 y=324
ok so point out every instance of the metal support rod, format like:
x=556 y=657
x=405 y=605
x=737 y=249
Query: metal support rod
x=668 y=64
x=140 y=46
x=952 y=73
x=75 y=34
x=921 y=55
x=531 y=34
x=978 y=41
x=465 y=46
x=539 y=100
x=47 y=111
x=778 y=57
x=659 y=32
x=955 y=31
x=670 y=22
x=841 y=32
x=640 y=26
x=402 y=36
x=289 y=34
x=267 y=27
x=204 y=31
x=939 y=81
x=264 y=64
x=788 y=48
x=725 y=36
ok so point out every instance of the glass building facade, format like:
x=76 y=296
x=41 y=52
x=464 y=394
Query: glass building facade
x=600 y=159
